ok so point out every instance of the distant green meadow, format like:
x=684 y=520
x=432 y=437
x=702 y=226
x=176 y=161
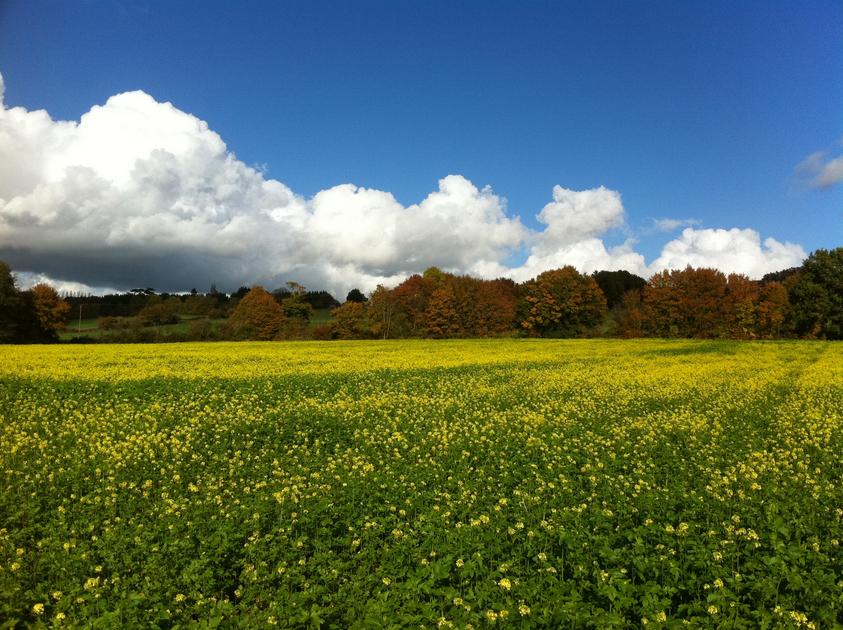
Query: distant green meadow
x=465 y=484
x=91 y=329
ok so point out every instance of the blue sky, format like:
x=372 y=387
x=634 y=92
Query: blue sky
x=689 y=110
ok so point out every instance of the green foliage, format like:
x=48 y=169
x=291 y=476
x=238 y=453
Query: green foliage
x=816 y=296
x=295 y=307
x=10 y=306
x=355 y=295
x=615 y=284
x=295 y=302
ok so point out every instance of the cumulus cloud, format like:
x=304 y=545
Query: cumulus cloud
x=575 y=223
x=140 y=193
x=731 y=251
x=823 y=169
x=455 y=227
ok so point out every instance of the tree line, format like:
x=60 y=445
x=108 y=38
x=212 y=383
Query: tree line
x=802 y=302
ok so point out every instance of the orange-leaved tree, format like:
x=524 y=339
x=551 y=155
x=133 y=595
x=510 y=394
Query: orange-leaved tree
x=773 y=310
x=49 y=308
x=442 y=315
x=257 y=316
x=412 y=296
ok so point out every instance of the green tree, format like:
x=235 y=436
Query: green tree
x=816 y=297
x=355 y=295
x=615 y=284
x=294 y=304
x=10 y=306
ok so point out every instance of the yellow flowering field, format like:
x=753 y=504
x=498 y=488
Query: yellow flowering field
x=531 y=483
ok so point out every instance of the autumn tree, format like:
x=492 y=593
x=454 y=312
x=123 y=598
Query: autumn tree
x=741 y=308
x=631 y=315
x=413 y=295
x=494 y=307
x=560 y=303
x=160 y=312
x=685 y=303
x=257 y=316
x=773 y=310
x=660 y=307
x=50 y=310
x=440 y=304
x=387 y=320
x=442 y=315
x=349 y=321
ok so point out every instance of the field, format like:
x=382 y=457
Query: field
x=560 y=484
x=90 y=327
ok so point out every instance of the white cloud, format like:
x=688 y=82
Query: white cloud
x=822 y=169
x=27 y=280
x=575 y=222
x=574 y=216
x=140 y=193
x=669 y=225
x=587 y=256
x=731 y=251
x=831 y=173
x=454 y=227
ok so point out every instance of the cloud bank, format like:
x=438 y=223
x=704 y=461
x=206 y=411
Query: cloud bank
x=140 y=193
x=731 y=251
